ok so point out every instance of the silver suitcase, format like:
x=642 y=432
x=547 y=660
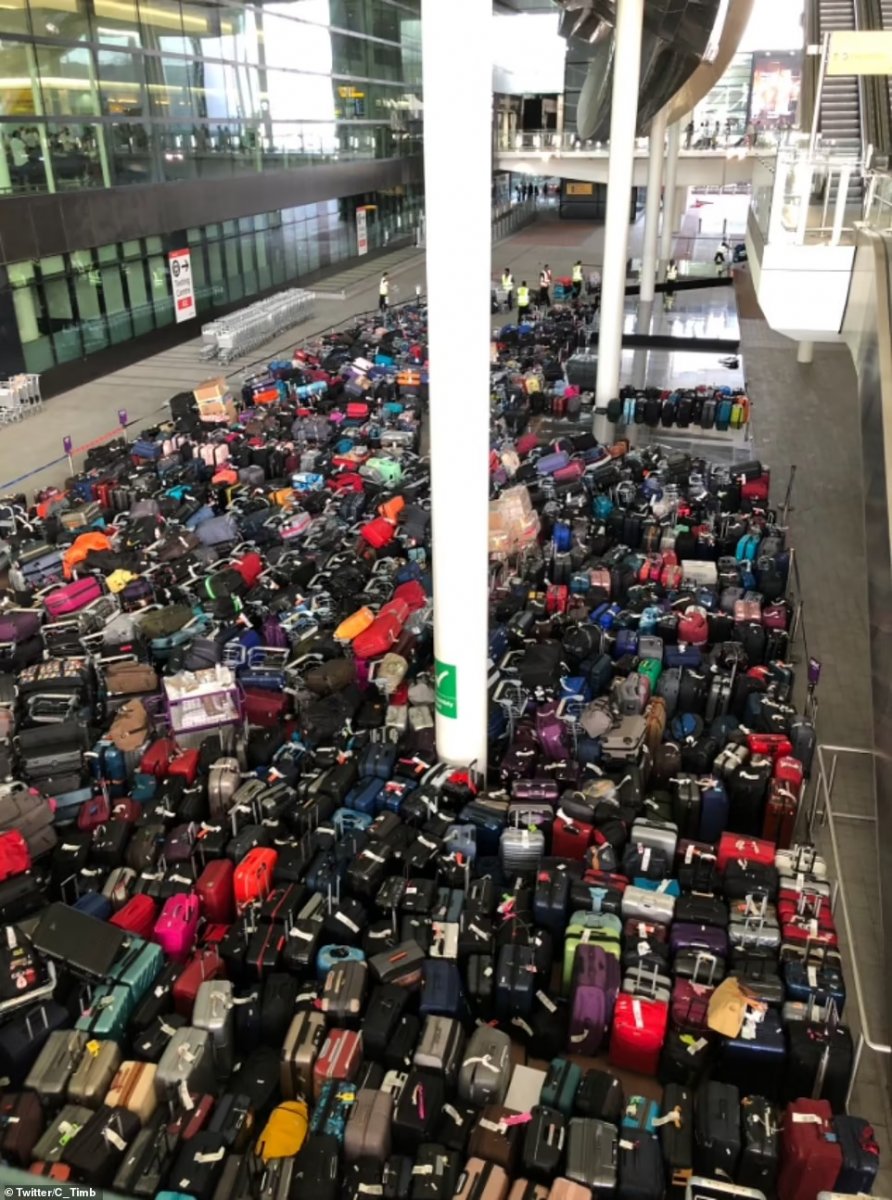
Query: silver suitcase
x=186 y=1064
x=623 y=741
x=95 y=1072
x=650 y=985
x=441 y=1046
x=592 y=1155
x=118 y=886
x=213 y=1013
x=301 y=1047
x=801 y=860
x=645 y=905
x=486 y=1067
x=755 y=933
x=521 y=850
x=659 y=835
x=55 y=1065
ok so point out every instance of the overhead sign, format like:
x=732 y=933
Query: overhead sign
x=856 y=52
x=579 y=189
x=181 y=281
x=362 y=232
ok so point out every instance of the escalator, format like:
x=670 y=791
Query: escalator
x=885 y=84
x=839 y=120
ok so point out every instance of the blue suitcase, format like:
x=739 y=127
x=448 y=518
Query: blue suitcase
x=377 y=761
x=682 y=656
x=860 y=1155
x=488 y=825
x=551 y=899
x=328 y=957
x=363 y=798
x=94 y=904
x=817 y=982
x=754 y=1065
x=641 y=1114
x=714 y=810
x=441 y=990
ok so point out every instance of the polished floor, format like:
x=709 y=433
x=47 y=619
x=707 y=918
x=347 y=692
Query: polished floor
x=804 y=417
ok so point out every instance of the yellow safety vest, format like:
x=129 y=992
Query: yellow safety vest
x=523 y=297
x=577 y=274
x=508 y=281
x=383 y=288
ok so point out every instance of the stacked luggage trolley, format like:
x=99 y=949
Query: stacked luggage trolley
x=19 y=396
x=295 y=955
x=247 y=329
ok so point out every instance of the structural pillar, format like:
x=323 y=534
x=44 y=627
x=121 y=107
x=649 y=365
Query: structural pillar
x=670 y=208
x=805 y=352
x=623 y=119
x=458 y=291
x=652 y=204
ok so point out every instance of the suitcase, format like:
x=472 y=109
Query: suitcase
x=486 y=1067
x=717 y=1139
x=300 y=1049
x=188 y=1061
x=96 y=1151
x=52 y=1142
x=811 y=1156
x=676 y=1135
x=213 y=1012
x=94 y=1073
x=495 y=1138
x=760 y=1150
x=55 y=1065
x=22 y=1122
x=417 y=1109
x=338 y=1058
x=542 y=1150
x=807 y=1045
x=639 y=1029
x=441 y=1047
x=482 y=1180
x=133 y=1088
x=368 y=1128
x=860 y=1155
x=592 y=1154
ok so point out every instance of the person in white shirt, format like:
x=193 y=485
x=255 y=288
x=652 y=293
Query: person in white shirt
x=383 y=292
x=18 y=150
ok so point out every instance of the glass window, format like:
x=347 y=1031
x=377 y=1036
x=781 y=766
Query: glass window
x=117 y=22
x=23 y=153
x=140 y=306
x=162 y=300
x=16 y=74
x=153 y=244
x=169 y=92
x=249 y=269
x=87 y=283
x=383 y=21
x=122 y=83
x=14 y=17
x=130 y=152
x=349 y=55
x=66 y=81
x=160 y=19
x=264 y=275
x=68 y=19
x=233 y=268
x=61 y=319
x=386 y=61
x=30 y=317
x=120 y=327
x=216 y=274
x=200 y=280
x=348 y=14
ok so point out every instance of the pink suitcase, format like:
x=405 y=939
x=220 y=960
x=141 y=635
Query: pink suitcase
x=177 y=926
x=72 y=598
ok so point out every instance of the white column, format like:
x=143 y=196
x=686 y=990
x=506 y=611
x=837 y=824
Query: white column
x=652 y=204
x=839 y=209
x=669 y=206
x=805 y=352
x=458 y=286
x=623 y=116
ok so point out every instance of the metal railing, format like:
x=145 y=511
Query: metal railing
x=551 y=142
x=878 y=201
x=823 y=814
x=814 y=197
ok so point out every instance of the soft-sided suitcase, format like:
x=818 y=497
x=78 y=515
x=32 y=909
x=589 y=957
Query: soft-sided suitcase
x=717 y=1138
x=368 y=1127
x=860 y=1155
x=811 y=1155
x=641 y=1175
x=760 y=1152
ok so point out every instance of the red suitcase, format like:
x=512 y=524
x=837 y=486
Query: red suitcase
x=156 y=759
x=215 y=890
x=570 y=839
x=204 y=964
x=253 y=877
x=265 y=709
x=639 y=1029
x=772 y=744
x=746 y=849
x=137 y=916
x=811 y=1157
x=789 y=770
x=185 y=766
x=338 y=1059
x=781 y=809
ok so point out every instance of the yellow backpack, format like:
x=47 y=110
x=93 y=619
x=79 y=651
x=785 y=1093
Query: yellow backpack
x=284 y=1132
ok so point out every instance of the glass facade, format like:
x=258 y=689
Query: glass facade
x=100 y=93
x=71 y=305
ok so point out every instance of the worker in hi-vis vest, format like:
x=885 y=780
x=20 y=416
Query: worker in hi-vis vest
x=383 y=291
x=508 y=287
x=523 y=302
x=577 y=279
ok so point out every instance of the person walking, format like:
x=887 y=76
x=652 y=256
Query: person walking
x=721 y=257
x=544 y=286
x=578 y=277
x=671 y=277
x=508 y=287
x=689 y=134
x=383 y=292
x=523 y=302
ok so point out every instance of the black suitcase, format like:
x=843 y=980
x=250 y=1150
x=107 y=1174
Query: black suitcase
x=860 y=1155
x=401 y=1047
x=96 y=1151
x=480 y=978
x=382 y=1017
x=258 y=1079
x=543 y=1143
x=758 y=1164
x=150 y=1044
x=641 y=1174
x=317 y=1168
x=23 y=1037
x=677 y=1136
x=807 y=1045
x=435 y=1174
x=199 y=1164
x=600 y=1095
x=455 y=1125
x=717 y=1131
x=233 y=1120
x=147 y=1159
x=418 y=1109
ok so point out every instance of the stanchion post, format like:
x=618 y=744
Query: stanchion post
x=458 y=304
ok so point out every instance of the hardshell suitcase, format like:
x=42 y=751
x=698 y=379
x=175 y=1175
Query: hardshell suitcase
x=717 y=1139
x=368 y=1128
x=50 y=1145
x=486 y=1067
x=860 y=1155
x=133 y=1088
x=482 y=1180
x=811 y=1155
x=543 y=1143
x=91 y=1080
x=300 y=1049
x=187 y=1061
x=441 y=1046
x=592 y=1154
x=55 y=1065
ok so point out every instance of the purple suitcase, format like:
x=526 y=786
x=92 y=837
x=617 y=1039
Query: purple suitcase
x=596 y=983
x=542 y=791
x=684 y=935
x=549 y=463
x=551 y=730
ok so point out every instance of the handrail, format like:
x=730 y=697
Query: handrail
x=827 y=815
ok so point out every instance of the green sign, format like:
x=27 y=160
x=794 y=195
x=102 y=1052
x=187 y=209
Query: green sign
x=447 y=688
